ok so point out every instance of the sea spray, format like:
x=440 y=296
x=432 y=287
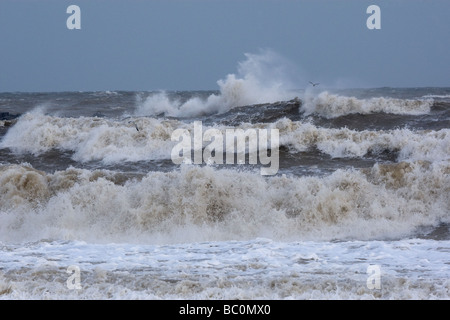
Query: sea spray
x=261 y=78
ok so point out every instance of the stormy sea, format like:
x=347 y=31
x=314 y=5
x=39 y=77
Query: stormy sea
x=92 y=206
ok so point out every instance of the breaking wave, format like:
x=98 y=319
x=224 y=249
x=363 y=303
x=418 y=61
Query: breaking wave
x=330 y=105
x=261 y=78
x=206 y=204
x=343 y=142
x=92 y=138
x=114 y=141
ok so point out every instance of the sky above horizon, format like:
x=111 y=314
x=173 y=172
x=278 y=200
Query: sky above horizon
x=191 y=44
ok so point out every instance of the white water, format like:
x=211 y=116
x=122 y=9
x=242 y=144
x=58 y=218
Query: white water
x=205 y=204
x=115 y=141
x=255 y=269
x=332 y=105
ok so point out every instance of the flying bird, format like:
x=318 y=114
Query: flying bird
x=314 y=84
x=135 y=125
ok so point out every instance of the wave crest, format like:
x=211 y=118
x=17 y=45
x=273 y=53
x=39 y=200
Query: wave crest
x=261 y=78
x=332 y=105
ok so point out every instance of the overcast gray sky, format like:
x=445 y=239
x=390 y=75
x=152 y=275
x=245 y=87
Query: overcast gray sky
x=190 y=44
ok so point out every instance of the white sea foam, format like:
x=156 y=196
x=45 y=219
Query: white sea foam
x=254 y=269
x=111 y=141
x=332 y=105
x=344 y=142
x=437 y=96
x=114 y=141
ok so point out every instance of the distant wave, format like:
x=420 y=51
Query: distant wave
x=332 y=105
x=438 y=96
x=236 y=93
